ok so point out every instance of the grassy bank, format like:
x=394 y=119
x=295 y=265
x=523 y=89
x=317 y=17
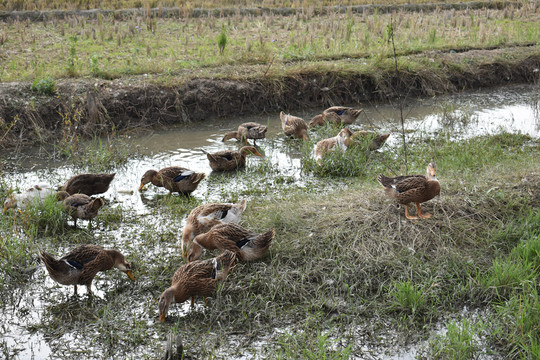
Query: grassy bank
x=345 y=268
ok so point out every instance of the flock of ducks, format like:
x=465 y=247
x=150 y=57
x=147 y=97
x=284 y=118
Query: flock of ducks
x=213 y=226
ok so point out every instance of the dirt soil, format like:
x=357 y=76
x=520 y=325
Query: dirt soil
x=95 y=106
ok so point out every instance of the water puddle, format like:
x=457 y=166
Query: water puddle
x=513 y=109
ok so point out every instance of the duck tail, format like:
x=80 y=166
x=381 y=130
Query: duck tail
x=96 y=204
x=256 y=248
x=50 y=262
x=223 y=264
x=197 y=177
x=356 y=112
x=384 y=180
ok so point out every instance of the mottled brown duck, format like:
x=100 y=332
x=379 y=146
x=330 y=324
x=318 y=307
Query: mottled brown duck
x=204 y=217
x=80 y=206
x=294 y=126
x=412 y=189
x=198 y=278
x=247 y=245
x=88 y=184
x=249 y=130
x=337 y=116
x=340 y=141
x=227 y=160
x=80 y=265
x=372 y=140
x=173 y=178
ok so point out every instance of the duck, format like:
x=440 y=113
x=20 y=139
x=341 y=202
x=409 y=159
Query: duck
x=340 y=141
x=88 y=184
x=249 y=130
x=294 y=126
x=80 y=206
x=247 y=245
x=35 y=194
x=412 y=189
x=337 y=116
x=197 y=278
x=227 y=160
x=80 y=265
x=173 y=178
x=363 y=137
x=201 y=219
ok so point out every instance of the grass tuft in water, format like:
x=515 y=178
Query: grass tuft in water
x=461 y=341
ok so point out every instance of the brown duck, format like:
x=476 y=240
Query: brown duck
x=412 y=188
x=293 y=126
x=80 y=206
x=249 y=130
x=227 y=160
x=88 y=184
x=340 y=141
x=337 y=116
x=198 y=278
x=204 y=217
x=372 y=140
x=80 y=265
x=247 y=245
x=174 y=178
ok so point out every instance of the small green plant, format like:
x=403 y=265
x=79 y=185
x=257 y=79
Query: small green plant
x=72 y=59
x=460 y=342
x=45 y=86
x=222 y=41
x=100 y=155
x=94 y=65
x=507 y=276
x=348 y=32
x=407 y=297
x=45 y=217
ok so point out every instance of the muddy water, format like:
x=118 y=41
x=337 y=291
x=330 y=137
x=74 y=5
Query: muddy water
x=511 y=109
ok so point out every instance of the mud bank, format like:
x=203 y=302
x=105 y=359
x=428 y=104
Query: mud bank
x=96 y=106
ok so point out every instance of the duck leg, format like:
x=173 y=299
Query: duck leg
x=192 y=301
x=419 y=212
x=407 y=213
x=75 y=289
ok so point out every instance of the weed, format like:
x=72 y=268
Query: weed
x=45 y=86
x=222 y=41
x=461 y=341
x=72 y=60
x=408 y=297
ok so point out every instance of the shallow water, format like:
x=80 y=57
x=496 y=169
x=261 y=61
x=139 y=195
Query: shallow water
x=512 y=109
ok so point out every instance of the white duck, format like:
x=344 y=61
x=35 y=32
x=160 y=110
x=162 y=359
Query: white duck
x=36 y=194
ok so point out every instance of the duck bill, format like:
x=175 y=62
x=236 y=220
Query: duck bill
x=161 y=318
x=184 y=254
x=130 y=275
x=141 y=187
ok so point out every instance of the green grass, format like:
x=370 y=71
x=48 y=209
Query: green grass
x=460 y=341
